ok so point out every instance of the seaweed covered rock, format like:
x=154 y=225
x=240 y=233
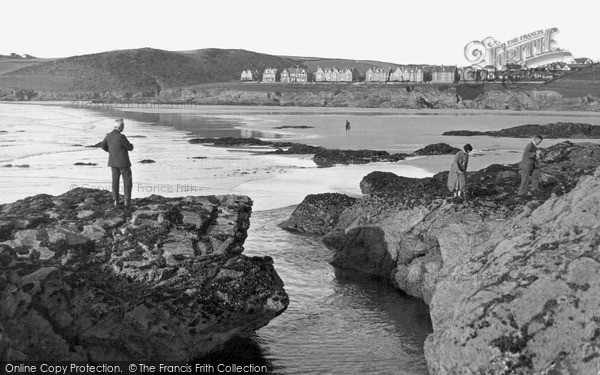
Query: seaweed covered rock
x=318 y=213
x=437 y=149
x=405 y=230
x=326 y=157
x=553 y=130
x=163 y=280
x=528 y=302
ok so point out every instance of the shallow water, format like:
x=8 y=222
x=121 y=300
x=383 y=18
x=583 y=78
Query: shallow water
x=338 y=321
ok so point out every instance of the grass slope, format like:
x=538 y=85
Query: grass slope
x=143 y=70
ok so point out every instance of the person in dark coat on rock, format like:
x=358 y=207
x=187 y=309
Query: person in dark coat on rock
x=457 y=177
x=529 y=172
x=117 y=145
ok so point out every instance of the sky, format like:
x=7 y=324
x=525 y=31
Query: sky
x=401 y=32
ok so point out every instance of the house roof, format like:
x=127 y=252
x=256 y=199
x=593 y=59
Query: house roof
x=581 y=60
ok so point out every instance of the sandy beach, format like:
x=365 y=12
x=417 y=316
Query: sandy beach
x=42 y=142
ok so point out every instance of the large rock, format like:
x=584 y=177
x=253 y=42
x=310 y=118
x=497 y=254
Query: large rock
x=437 y=149
x=455 y=257
x=327 y=158
x=553 y=130
x=318 y=213
x=164 y=280
x=405 y=230
x=529 y=302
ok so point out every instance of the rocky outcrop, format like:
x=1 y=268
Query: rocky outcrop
x=163 y=280
x=437 y=149
x=554 y=130
x=318 y=213
x=326 y=157
x=323 y=157
x=527 y=301
x=406 y=231
x=511 y=282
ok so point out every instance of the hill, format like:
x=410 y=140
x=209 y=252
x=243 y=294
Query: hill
x=361 y=65
x=8 y=64
x=145 y=70
x=578 y=83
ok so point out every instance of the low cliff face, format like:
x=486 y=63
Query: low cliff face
x=512 y=282
x=461 y=96
x=164 y=280
x=391 y=96
x=407 y=231
x=528 y=300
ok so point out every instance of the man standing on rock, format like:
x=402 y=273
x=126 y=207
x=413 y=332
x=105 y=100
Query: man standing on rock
x=117 y=145
x=529 y=172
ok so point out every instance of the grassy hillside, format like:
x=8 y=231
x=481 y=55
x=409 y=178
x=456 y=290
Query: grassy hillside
x=141 y=70
x=227 y=64
x=578 y=83
x=8 y=64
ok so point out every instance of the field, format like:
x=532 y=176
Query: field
x=10 y=64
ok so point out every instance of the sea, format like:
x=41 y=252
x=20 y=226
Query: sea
x=339 y=321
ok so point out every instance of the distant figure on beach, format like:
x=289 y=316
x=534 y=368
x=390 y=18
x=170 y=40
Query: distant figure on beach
x=117 y=145
x=347 y=125
x=529 y=172
x=457 y=178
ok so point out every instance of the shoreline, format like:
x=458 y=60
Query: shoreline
x=218 y=108
x=256 y=174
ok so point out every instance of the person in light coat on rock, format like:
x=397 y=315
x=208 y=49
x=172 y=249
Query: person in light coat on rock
x=457 y=177
x=528 y=166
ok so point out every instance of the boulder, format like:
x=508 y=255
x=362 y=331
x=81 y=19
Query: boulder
x=437 y=149
x=327 y=158
x=318 y=213
x=165 y=280
x=529 y=303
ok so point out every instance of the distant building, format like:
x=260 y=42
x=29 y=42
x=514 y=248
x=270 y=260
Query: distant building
x=406 y=74
x=400 y=74
x=284 y=76
x=270 y=75
x=249 y=75
x=582 y=60
x=349 y=74
x=335 y=75
x=444 y=74
x=377 y=75
x=415 y=74
x=294 y=75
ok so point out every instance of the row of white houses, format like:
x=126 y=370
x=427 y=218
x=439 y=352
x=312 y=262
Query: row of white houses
x=350 y=74
x=407 y=73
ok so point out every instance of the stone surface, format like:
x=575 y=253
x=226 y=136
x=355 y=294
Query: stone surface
x=554 y=130
x=506 y=278
x=318 y=213
x=530 y=302
x=326 y=157
x=163 y=280
x=437 y=149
